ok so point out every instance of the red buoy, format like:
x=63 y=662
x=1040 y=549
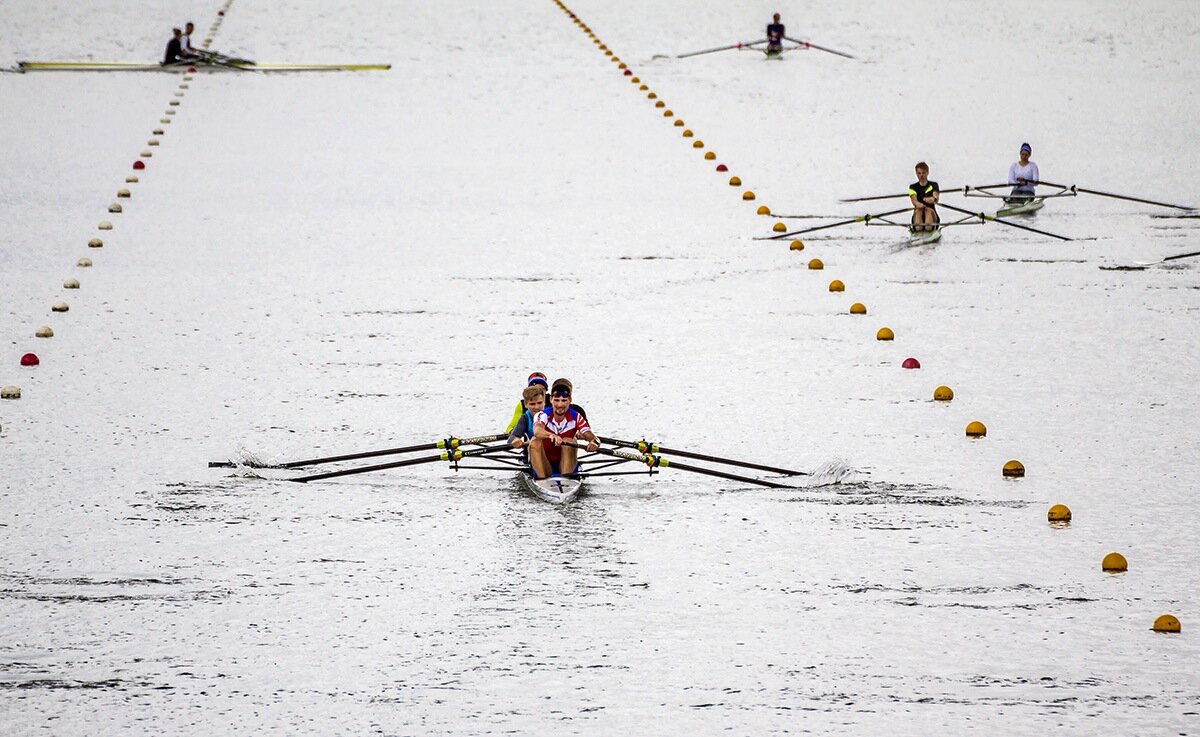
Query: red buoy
x=191 y=70
x=628 y=72
x=911 y=363
x=30 y=359
x=220 y=12
x=139 y=165
x=722 y=167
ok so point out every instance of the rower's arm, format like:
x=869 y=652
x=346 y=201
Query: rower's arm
x=916 y=203
x=540 y=432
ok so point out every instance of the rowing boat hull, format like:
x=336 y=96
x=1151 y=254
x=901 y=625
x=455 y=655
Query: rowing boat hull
x=556 y=489
x=924 y=237
x=1020 y=208
x=118 y=66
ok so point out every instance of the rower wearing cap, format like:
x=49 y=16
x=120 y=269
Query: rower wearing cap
x=537 y=378
x=557 y=423
x=775 y=32
x=1023 y=175
x=924 y=195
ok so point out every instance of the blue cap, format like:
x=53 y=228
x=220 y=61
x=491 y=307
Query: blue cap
x=1026 y=147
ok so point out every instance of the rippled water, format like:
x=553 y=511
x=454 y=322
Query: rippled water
x=323 y=264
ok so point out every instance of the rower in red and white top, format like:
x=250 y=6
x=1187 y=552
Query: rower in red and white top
x=558 y=423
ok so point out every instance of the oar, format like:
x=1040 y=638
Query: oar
x=1168 y=258
x=811 y=45
x=895 y=196
x=859 y=219
x=654 y=461
x=645 y=447
x=739 y=45
x=447 y=443
x=445 y=456
x=1073 y=188
x=1002 y=221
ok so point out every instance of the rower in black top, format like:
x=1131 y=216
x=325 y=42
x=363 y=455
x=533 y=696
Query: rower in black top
x=775 y=34
x=924 y=195
x=174 y=53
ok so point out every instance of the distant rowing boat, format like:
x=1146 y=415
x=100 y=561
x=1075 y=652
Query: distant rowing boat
x=198 y=66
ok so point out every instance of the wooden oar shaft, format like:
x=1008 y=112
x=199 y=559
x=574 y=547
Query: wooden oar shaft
x=993 y=219
x=450 y=455
x=644 y=447
x=1073 y=188
x=448 y=443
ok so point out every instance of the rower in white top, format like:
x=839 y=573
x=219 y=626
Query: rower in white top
x=187 y=51
x=1023 y=176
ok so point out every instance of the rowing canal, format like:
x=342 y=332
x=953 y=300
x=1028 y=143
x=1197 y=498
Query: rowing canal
x=313 y=264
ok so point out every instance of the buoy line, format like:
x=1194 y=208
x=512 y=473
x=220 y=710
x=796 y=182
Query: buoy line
x=30 y=360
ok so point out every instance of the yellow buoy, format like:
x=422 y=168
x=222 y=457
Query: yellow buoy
x=95 y=243
x=114 y=207
x=652 y=96
x=687 y=133
x=885 y=334
x=1014 y=469
x=816 y=264
x=1166 y=623
x=735 y=181
x=84 y=262
x=660 y=103
x=698 y=144
x=1114 y=563
x=796 y=245
x=747 y=195
x=71 y=284
x=858 y=308
x=643 y=88
x=668 y=114
x=44 y=332
x=763 y=210
x=635 y=80
x=1059 y=513
x=60 y=307
x=709 y=155
x=976 y=429
x=779 y=227
x=837 y=286
x=943 y=394
x=679 y=123
x=124 y=193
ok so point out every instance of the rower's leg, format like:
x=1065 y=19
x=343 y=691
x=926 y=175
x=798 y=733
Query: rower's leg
x=537 y=459
x=567 y=461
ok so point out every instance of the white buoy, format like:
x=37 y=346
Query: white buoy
x=71 y=284
x=60 y=307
